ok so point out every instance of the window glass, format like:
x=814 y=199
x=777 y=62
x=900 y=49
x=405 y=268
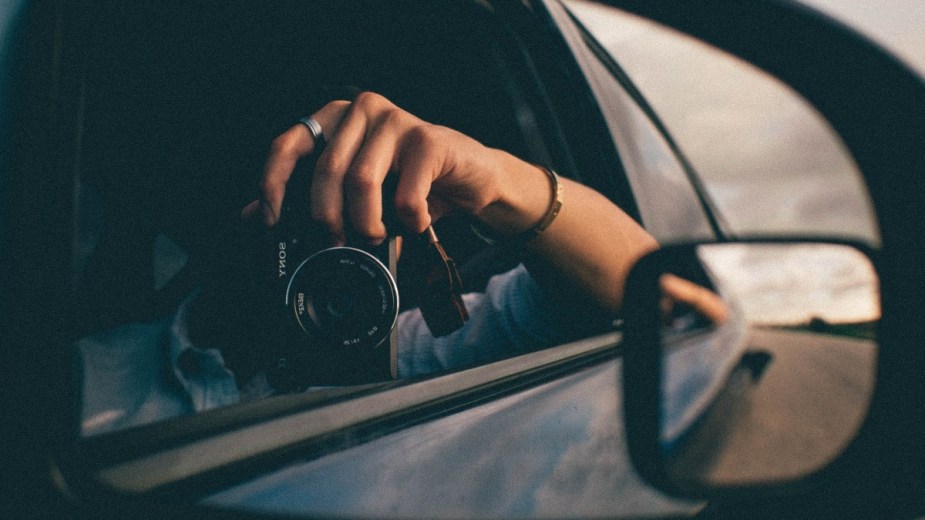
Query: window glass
x=770 y=163
x=668 y=204
x=185 y=308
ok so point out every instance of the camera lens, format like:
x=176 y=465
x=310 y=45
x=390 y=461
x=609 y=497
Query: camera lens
x=345 y=297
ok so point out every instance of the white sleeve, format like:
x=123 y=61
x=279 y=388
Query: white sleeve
x=511 y=317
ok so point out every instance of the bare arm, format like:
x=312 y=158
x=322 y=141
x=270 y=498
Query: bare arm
x=587 y=250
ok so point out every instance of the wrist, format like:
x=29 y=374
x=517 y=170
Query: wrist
x=529 y=202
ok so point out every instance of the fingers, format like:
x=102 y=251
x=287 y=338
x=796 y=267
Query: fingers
x=364 y=194
x=285 y=152
x=327 y=193
x=350 y=174
x=414 y=186
x=366 y=140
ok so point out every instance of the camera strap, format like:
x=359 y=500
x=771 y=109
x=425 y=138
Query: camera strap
x=442 y=305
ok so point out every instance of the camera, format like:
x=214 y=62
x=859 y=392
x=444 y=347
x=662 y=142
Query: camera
x=335 y=307
x=344 y=296
x=282 y=302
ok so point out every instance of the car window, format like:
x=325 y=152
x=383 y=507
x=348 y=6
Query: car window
x=769 y=162
x=175 y=322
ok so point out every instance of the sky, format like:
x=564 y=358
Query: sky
x=787 y=284
x=772 y=165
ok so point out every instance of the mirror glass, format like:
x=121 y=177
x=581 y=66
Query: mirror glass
x=768 y=360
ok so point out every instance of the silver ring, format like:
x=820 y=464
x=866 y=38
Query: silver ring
x=315 y=129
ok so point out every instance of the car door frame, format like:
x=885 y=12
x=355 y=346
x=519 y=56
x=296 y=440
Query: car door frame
x=48 y=149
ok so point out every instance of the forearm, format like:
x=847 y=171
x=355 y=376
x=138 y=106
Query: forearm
x=587 y=251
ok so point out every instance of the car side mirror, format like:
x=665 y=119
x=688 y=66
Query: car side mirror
x=748 y=366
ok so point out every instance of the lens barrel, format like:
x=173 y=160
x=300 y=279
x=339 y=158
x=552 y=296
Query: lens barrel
x=344 y=297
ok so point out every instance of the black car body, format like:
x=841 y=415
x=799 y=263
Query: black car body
x=167 y=111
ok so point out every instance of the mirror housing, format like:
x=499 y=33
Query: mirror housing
x=748 y=366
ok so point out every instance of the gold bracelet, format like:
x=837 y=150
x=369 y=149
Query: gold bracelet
x=555 y=206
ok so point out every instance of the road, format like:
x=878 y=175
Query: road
x=806 y=407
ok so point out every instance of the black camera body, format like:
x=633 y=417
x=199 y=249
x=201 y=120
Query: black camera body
x=286 y=304
x=336 y=306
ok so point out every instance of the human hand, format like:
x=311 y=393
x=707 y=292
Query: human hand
x=439 y=170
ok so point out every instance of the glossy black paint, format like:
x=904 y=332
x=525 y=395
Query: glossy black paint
x=40 y=101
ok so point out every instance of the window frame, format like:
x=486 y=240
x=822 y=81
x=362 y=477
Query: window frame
x=572 y=23
x=231 y=455
x=217 y=448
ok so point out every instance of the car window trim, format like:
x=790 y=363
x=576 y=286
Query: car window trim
x=233 y=455
x=711 y=210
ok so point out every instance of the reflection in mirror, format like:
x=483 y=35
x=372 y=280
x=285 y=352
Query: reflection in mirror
x=789 y=329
